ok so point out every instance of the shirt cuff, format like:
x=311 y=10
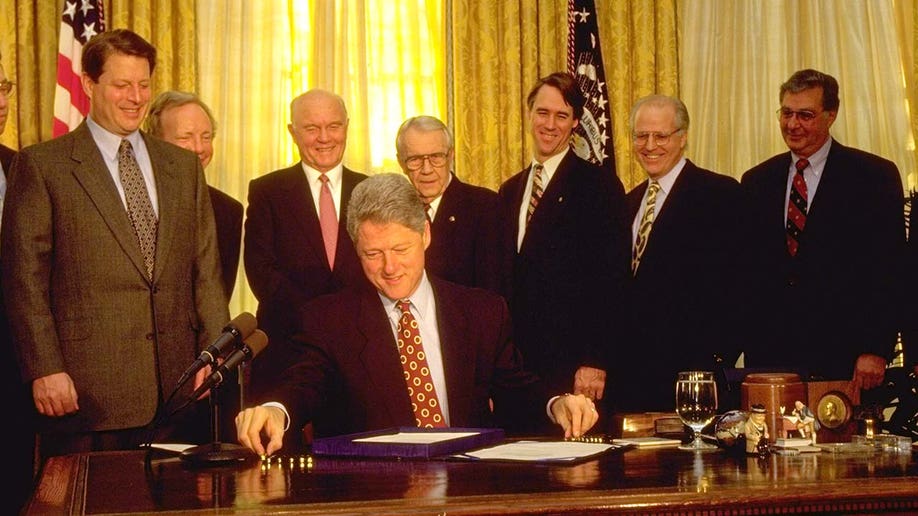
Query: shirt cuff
x=283 y=408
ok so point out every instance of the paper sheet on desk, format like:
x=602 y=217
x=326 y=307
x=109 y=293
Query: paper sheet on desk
x=414 y=437
x=540 y=451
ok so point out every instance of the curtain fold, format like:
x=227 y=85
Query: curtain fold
x=735 y=55
x=641 y=55
x=500 y=50
x=28 y=39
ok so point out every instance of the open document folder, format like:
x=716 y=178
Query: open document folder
x=568 y=452
x=457 y=443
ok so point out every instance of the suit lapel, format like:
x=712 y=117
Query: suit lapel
x=553 y=200
x=303 y=211
x=379 y=356
x=458 y=361
x=168 y=189
x=92 y=174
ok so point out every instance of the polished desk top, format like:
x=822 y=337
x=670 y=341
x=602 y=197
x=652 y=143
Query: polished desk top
x=632 y=480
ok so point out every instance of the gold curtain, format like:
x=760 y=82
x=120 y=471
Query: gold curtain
x=735 y=55
x=28 y=39
x=386 y=59
x=641 y=53
x=501 y=50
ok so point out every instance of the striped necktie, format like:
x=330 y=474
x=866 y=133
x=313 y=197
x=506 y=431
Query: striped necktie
x=797 y=208
x=537 y=190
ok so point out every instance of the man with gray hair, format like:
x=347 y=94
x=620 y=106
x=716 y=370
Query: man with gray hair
x=417 y=351
x=827 y=232
x=465 y=220
x=183 y=119
x=684 y=272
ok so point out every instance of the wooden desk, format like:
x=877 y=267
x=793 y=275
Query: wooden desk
x=633 y=481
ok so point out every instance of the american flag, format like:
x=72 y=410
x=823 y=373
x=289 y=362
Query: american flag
x=592 y=139
x=81 y=20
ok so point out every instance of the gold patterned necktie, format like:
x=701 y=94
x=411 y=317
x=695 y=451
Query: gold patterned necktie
x=424 y=401
x=328 y=220
x=139 y=207
x=537 y=190
x=797 y=207
x=644 y=228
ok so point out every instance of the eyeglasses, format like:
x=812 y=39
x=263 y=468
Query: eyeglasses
x=437 y=159
x=6 y=87
x=804 y=115
x=643 y=137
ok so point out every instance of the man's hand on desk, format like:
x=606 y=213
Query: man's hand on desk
x=575 y=413
x=252 y=422
x=590 y=382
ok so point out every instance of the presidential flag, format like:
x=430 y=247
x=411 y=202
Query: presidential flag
x=81 y=20
x=592 y=139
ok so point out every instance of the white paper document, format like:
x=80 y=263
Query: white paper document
x=415 y=437
x=539 y=451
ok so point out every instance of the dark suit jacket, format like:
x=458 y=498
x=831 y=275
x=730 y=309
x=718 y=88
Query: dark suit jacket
x=78 y=296
x=19 y=401
x=465 y=237
x=350 y=371
x=228 y=215
x=568 y=278
x=836 y=299
x=682 y=297
x=285 y=262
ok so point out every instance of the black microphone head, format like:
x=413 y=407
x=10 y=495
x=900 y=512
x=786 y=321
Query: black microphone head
x=256 y=342
x=242 y=325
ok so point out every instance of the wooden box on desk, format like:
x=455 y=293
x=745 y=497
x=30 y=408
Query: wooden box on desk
x=646 y=424
x=833 y=403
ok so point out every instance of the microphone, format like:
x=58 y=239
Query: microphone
x=235 y=332
x=252 y=346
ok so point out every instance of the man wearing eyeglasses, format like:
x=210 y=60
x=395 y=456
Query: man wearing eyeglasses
x=827 y=235
x=567 y=234
x=20 y=462
x=684 y=274
x=296 y=245
x=464 y=219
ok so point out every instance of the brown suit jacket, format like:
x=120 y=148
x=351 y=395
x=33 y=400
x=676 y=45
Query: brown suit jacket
x=78 y=297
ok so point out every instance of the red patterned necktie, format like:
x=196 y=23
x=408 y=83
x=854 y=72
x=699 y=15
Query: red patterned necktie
x=328 y=220
x=796 y=208
x=139 y=206
x=424 y=401
x=537 y=190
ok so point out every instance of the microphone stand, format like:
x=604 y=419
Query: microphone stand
x=216 y=452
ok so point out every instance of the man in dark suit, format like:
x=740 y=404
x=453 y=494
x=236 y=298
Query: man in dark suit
x=363 y=366
x=21 y=463
x=827 y=235
x=110 y=268
x=288 y=258
x=185 y=120
x=465 y=227
x=684 y=269
x=570 y=261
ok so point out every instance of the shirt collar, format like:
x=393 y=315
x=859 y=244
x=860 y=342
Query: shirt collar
x=421 y=298
x=109 y=142
x=669 y=179
x=334 y=175
x=818 y=158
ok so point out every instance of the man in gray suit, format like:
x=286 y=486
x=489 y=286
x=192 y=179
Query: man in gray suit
x=110 y=265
